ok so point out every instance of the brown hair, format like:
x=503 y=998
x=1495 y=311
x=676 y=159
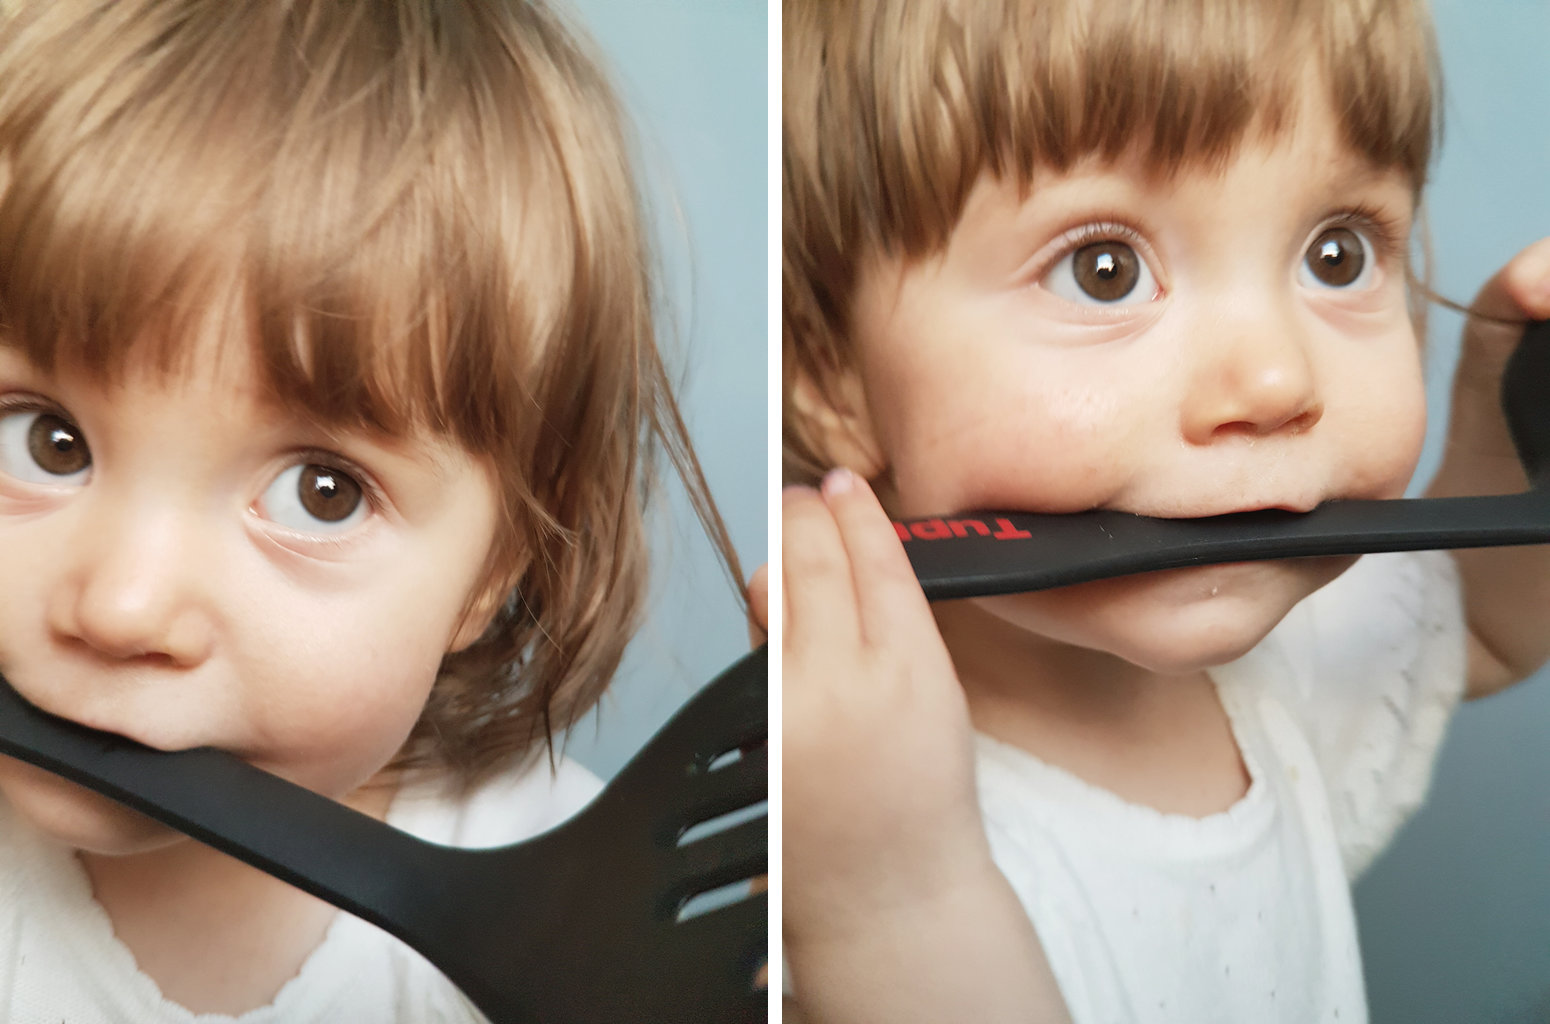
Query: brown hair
x=425 y=212
x=894 y=108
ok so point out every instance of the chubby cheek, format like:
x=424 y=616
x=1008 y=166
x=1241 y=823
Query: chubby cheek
x=1010 y=442
x=335 y=741
x=336 y=707
x=1389 y=442
x=1376 y=414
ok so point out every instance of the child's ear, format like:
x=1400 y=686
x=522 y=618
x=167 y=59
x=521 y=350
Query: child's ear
x=834 y=416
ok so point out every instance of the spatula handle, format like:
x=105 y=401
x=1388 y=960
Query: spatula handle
x=277 y=826
x=953 y=558
x=983 y=554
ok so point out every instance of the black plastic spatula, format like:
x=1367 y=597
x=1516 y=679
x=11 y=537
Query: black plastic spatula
x=580 y=925
x=979 y=555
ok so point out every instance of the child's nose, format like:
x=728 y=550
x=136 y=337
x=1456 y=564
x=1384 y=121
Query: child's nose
x=1251 y=380
x=133 y=590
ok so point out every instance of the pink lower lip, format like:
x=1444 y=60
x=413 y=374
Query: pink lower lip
x=1292 y=509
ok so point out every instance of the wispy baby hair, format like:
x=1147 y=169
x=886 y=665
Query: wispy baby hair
x=424 y=216
x=893 y=109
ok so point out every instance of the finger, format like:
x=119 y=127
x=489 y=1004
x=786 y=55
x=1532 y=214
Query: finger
x=819 y=595
x=888 y=596
x=759 y=606
x=1520 y=291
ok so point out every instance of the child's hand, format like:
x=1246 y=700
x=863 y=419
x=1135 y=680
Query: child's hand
x=893 y=907
x=1519 y=292
x=878 y=777
x=1506 y=590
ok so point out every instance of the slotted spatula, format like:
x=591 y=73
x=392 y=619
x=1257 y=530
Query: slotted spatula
x=577 y=926
x=978 y=555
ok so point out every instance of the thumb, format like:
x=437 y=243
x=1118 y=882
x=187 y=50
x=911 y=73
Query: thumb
x=1518 y=293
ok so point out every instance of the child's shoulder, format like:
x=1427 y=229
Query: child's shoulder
x=516 y=804
x=1392 y=622
x=1366 y=674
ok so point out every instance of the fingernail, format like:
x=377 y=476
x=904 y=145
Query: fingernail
x=838 y=481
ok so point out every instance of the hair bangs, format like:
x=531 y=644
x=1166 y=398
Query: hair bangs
x=169 y=184
x=914 y=101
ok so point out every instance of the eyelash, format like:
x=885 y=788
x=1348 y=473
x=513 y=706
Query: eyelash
x=371 y=492
x=32 y=403
x=1089 y=234
x=319 y=543
x=1379 y=228
x=374 y=497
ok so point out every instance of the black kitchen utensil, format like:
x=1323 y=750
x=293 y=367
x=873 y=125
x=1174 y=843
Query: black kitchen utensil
x=577 y=926
x=981 y=554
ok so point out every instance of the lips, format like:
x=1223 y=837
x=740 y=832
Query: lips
x=1282 y=506
x=1294 y=505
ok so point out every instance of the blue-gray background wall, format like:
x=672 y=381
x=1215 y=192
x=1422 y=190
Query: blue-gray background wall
x=1455 y=917
x=693 y=74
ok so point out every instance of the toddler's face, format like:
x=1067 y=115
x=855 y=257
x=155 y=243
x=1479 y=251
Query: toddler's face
x=188 y=565
x=1225 y=340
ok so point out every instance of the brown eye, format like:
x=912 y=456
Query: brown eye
x=328 y=495
x=1336 y=258
x=1103 y=272
x=57 y=446
x=1106 y=271
x=314 y=498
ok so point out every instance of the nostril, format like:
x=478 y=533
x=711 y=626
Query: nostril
x=154 y=659
x=1304 y=421
x=1300 y=423
x=121 y=653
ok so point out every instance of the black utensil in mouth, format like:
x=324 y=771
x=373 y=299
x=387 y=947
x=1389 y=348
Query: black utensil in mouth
x=984 y=554
x=590 y=921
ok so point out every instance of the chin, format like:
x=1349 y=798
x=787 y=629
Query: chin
x=77 y=817
x=1194 y=639
x=1177 y=621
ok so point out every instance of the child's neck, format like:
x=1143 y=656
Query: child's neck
x=216 y=935
x=1162 y=741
